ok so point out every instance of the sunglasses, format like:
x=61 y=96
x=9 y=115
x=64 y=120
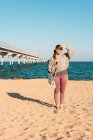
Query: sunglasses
x=59 y=48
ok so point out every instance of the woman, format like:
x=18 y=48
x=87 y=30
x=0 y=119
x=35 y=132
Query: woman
x=61 y=62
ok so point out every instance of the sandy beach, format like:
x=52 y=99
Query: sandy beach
x=27 y=111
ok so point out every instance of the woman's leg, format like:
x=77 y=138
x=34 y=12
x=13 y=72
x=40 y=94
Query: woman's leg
x=57 y=90
x=63 y=83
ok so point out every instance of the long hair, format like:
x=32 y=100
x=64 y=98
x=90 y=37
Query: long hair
x=54 y=54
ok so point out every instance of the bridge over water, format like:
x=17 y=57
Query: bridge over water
x=22 y=55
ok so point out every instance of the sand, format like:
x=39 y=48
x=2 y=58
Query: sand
x=27 y=111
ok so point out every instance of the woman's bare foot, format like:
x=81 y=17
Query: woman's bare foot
x=56 y=109
x=61 y=105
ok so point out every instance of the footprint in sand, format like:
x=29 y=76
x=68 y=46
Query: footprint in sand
x=44 y=138
x=43 y=132
x=26 y=128
x=69 y=131
x=84 y=109
x=53 y=122
x=74 y=107
x=52 y=133
x=41 y=115
x=72 y=112
x=68 y=134
x=1 y=133
x=14 y=119
x=60 y=138
x=31 y=136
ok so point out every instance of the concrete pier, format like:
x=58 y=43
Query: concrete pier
x=12 y=52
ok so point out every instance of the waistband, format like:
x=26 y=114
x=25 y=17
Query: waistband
x=62 y=72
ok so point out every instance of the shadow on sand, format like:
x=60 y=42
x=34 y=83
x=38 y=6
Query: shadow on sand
x=18 y=96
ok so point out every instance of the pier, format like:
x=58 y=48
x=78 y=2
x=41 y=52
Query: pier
x=21 y=55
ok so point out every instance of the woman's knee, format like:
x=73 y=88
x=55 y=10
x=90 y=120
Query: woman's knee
x=57 y=90
x=63 y=87
x=62 y=91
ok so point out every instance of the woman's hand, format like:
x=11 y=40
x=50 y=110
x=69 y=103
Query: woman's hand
x=64 y=46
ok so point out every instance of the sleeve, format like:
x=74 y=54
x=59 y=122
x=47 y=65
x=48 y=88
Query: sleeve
x=70 y=52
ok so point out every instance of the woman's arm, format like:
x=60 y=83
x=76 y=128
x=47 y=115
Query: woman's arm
x=70 y=51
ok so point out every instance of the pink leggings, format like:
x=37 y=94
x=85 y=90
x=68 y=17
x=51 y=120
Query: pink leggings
x=60 y=86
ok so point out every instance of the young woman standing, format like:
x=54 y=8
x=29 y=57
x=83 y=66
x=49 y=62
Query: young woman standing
x=61 y=60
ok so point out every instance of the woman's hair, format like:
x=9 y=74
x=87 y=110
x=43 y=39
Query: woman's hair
x=54 y=54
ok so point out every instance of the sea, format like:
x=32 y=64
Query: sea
x=76 y=70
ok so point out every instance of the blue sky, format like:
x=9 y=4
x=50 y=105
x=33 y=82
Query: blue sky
x=42 y=24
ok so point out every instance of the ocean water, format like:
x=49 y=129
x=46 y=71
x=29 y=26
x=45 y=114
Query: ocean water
x=76 y=71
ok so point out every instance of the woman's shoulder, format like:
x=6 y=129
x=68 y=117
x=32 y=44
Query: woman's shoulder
x=51 y=59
